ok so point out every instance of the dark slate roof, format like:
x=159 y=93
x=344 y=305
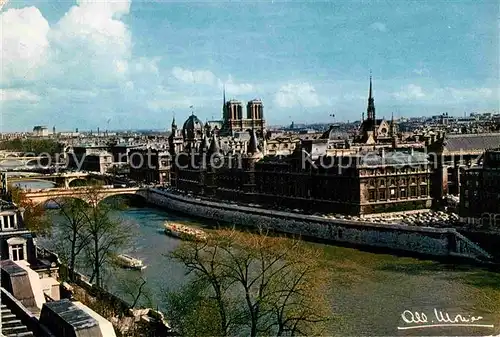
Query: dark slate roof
x=214 y=145
x=334 y=133
x=12 y=268
x=253 y=144
x=464 y=142
x=71 y=314
x=192 y=123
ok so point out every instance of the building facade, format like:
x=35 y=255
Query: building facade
x=480 y=192
x=150 y=165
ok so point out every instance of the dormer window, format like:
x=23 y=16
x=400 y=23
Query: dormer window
x=9 y=222
x=17 y=248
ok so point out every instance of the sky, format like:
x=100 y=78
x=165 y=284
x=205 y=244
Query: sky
x=134 y=64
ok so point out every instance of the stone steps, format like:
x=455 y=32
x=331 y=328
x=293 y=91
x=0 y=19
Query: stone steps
x=11 y=325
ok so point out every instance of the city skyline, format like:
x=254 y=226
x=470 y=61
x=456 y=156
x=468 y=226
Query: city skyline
x=134 y=64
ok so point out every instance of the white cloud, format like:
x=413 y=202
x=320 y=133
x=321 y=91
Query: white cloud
x=291 y=95
x=89 y=47
x=410 y=92
x=381 y=27
x=23 y=44
x=206 y=77
x=194 y=76
x=421 y=71
x=91 y=43
x=233 y=88
x=445 y=95
x=18 y=95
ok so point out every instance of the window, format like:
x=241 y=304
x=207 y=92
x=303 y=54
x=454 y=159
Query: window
x=393 y=182
x=413 y=180
x=382 y=182
x=371 y=195
x=393 y=193
x=8 y=221
x=372 y=182
x=413 y=191
x=17 y=252
x=382 y=195
x=423 y=191
x=402 y=193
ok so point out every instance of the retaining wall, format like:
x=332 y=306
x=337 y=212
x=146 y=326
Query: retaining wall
x=426 y=241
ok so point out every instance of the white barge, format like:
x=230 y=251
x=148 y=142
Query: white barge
x=127 y=261
x=184 y=232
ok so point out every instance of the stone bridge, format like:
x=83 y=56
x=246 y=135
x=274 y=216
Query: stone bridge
x=83 y=193
x=61 y=179
x=21 y=161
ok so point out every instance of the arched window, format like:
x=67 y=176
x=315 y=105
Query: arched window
x=17 y=248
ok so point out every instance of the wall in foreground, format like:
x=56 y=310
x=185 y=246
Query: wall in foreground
x=428 y=241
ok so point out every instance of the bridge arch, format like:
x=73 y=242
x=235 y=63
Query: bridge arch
x=59 y=201
x=32 y=162
x=84 y=181
x=42 y=196
x=130 y=196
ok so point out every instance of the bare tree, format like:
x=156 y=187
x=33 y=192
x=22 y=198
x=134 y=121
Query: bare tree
x=106 y=235
x=72 y=230
x=259 y=285
x=135 y=289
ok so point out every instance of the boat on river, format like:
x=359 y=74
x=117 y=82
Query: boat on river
x=127 y=261
x=184 y=232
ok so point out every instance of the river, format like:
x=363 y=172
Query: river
x=369 y=291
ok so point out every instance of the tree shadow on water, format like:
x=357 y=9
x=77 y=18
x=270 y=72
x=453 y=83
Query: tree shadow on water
x=470 y=274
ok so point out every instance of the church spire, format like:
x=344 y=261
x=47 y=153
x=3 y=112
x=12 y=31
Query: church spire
x=224 y=109
x=370 y=111
x=393 y=130
x=174 y=126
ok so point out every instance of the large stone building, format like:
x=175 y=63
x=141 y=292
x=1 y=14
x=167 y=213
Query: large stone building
x=480 y=192
x=235 y=119
x=374 y=172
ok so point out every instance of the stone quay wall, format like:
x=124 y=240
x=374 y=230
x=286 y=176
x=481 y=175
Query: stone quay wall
x=415 y=240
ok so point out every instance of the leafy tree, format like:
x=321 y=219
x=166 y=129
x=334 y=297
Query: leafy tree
x=35 y=146
x=34 y=214
x=249 y=284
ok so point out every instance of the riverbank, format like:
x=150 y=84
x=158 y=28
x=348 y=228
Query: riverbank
x=415 y=241
x=368 y=291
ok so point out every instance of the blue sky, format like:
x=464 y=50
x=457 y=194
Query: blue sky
x=134 y=64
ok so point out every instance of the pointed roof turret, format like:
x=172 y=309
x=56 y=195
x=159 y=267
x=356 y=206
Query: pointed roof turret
x=253 y=143
x=174 y=126
x=205 y=144
x=214 y=145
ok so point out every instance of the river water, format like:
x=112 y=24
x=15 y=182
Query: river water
x=369 y=291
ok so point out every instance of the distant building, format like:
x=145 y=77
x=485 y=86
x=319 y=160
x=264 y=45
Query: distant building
x=40 y=131
x=93 y=158
x=150 y=165
x=480 y=192
x=449 y=153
